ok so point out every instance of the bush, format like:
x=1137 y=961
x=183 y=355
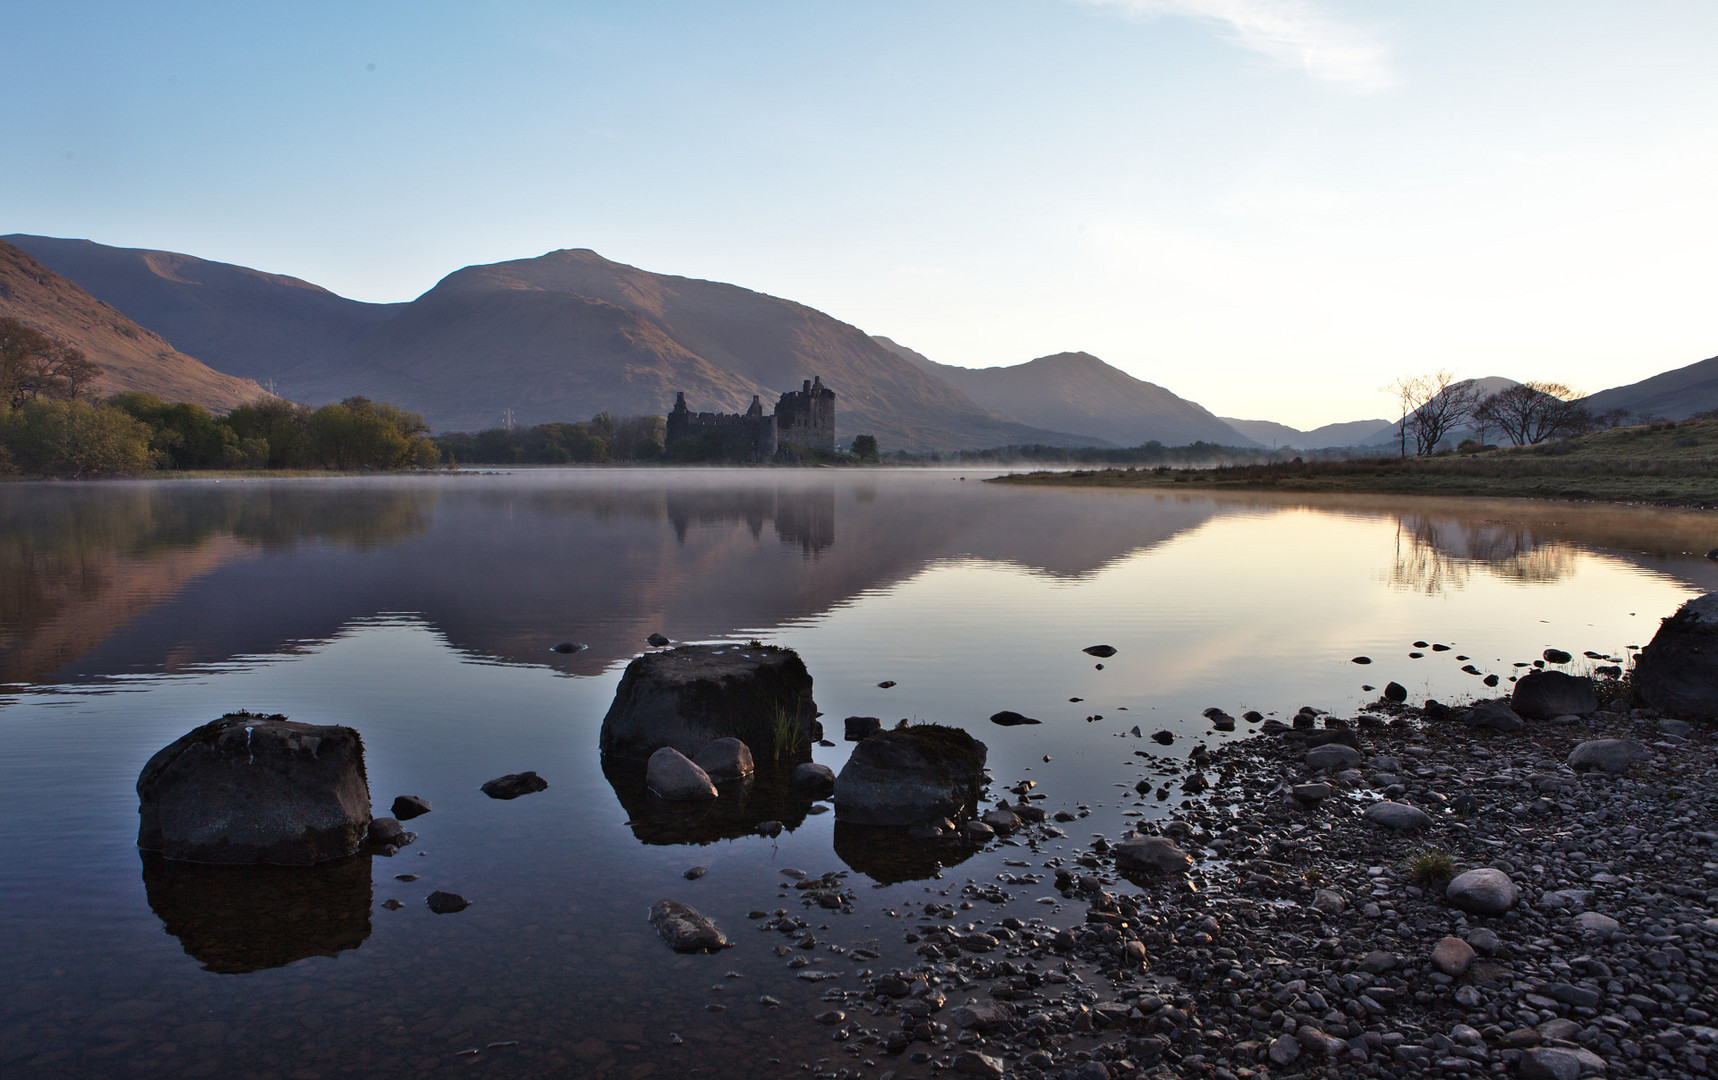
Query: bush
x=75 y=439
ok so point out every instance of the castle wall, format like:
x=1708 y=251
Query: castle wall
x=804 y=418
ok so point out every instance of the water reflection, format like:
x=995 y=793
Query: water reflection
x=888 y=855
x=1434 y=554
x=235 y=919
x=769 y=794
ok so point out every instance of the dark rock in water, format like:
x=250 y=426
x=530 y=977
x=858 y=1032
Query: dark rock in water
x=684 y=929
x=1163 y=737
x=1223 y=721
x=256 y=789
x=1104 y=651
x=1151 y=857
x=1492 y=716
x=235 y=919
x=407 y=807
x=858 y=727
x=690 y=696
x=909 y=775
x=693 y=873
x=1305 y=721
x=771 y=829
x=1677 y=672
x=392 y=905
x=514 y=785
x=1274 y=727
x=446 y=903
x=816 y=780
x=387 y=836
x=725 y=760
x=1396 y=692
x=885 y=684
x=1361 y=660
x=1556 y=656
x=657 y=640
x=1005 y=718
x=1490 y=680
x=674 y=777
x=1470 y=669
x=1542 y=695
x=567 y=647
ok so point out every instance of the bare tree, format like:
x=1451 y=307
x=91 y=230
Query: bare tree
x=1532 y=412
x=1432 y=406
x=1408 y=392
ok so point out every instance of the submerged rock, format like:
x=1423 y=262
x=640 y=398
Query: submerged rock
x=690 y=696
x=514 y=785
x=1677 y=672
x=725 y=760
x=684 y=929
x=387 y=835
x=256 y=789
x=815 y=779
x=910 y=775
x=675 y=778
x=446 y=903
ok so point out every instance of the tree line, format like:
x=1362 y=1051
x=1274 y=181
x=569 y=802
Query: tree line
x=1435 y=406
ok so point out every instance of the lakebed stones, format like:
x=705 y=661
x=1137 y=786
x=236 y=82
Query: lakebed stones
x=909 y=775
x=1608 y=755
x=1452 y=956
x=816 y=780
x=1542 y=695
x=249 y=789
x=1151 y=857
x=387 y=835
x=1492 y=716
x=671 y=775
x=1332 y=756
x=684 y=930
x=725 y=760
x=514 y=785
x=1677 y=672
x=690 y=696
x=1397 y=816
x=1485 y=891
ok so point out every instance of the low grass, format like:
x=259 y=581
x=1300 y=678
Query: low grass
x=1668 y=464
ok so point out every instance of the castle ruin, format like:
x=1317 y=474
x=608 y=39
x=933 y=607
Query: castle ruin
x=804 y=418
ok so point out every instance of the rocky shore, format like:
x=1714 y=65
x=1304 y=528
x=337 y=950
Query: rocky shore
x=1277 y=925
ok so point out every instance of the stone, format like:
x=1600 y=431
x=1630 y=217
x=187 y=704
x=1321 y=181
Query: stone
x=446 y=903
x=1592 y=922
x=387 y=835
x=672 y=776
x=657 y=640
x=1103 y=652
x=1452 y=956
x=1677 y=672
x=690 y=696
x=1398 y=816
x=909 y=775
x=1009 y=718
x=974 y=1063
x=1333 y=756
x=1151 y=857
x=1485 y=891
x=249 y=788
x=1492 y=716
x=860 y=727
x=1285 y=1049
x=1608 y=755
x=407 y=807
x=1163 y=738
x=1559 y=1063
x=1484 y=940
x=1329 y=901
x=1542 y=695
x=725 y=760
x=684 y=929
x=981 y=1017
x=1312 y=793
x=514 y=785
x=1395 y=692
x=817 y=780
x=1003 y=821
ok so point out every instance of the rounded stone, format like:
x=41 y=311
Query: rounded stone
x=1398 y=816
x=1485 y=891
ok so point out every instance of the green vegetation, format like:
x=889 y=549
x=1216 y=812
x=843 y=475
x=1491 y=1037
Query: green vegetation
x=865 y=447
x=1669 y=463
x=787 y=732
x=602 y=438
x=1429 y=866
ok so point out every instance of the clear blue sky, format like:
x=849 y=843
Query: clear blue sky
x=1273 y=207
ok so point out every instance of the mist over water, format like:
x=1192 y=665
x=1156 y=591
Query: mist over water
x=422 y=610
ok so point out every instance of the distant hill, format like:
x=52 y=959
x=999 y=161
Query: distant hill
x=1673 y=395
x=131 y=357
x=1347 y=433
x=1077 y=392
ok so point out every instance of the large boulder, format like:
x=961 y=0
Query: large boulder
x=1677 y=672
x=725 y=760
x=1151 y=857
x=1492 y=716
x=688 y=697
x=249 y=789
x=1542 y=695
x=1609 y=755
x=909 y=775
x=1485 y=891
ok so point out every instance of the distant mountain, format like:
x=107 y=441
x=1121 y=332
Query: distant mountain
x=252 y=324
x=131 y=357
x=1673 y=395
x=1078 y=392
x=1347 y=433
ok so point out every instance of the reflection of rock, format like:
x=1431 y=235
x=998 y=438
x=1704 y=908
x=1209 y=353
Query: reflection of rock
x=886 y=854
x=235 y=919
x=691 y=696
x=1677 y=673
x=256 y=789
x=739 y=808
x=909 y=775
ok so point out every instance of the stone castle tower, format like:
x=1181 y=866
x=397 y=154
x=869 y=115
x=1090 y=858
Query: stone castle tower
x=803 y=418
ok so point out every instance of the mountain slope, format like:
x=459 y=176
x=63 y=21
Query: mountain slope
x=131 y=357
x=1345 y=433
x=1674 y=395
x=253 y=324
x=1078 y=392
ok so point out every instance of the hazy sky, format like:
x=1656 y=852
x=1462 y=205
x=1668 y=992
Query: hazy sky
x=1273 y=207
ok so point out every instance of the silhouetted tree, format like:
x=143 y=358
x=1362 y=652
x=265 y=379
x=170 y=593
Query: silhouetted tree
x=865 y=447
x=34 y=366
x=1532 y=412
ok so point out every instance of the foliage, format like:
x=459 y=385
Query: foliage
x=74 y=439
x=604 y=437
x=279 y=426
x=185 y=436
x=35 y=367
x=865 y=447
x=1429 y=866
x=788 y=731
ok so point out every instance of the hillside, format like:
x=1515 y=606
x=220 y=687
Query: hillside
x=1673 y=395
x=1078 y=392
x=1272 y=434
x=131 y=357
x=249 y=323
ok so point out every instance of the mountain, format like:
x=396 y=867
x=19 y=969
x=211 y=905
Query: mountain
x=559 y=337
x=1346 y=433
x=131 y=357
x=256 y=325
x=1673 y=395
x=1076 y=391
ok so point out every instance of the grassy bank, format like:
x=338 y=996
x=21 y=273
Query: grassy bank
x=1666 y=464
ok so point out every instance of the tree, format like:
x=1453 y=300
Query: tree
x=36 y=367
x=279 y=426
x=1532 y=412
x=75 y=439
x=865 y=447
x=1432 y=406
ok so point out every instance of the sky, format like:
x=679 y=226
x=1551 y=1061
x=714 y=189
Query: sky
x=1274 y=208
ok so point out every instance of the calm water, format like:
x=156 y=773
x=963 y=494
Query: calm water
x=421 y=611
